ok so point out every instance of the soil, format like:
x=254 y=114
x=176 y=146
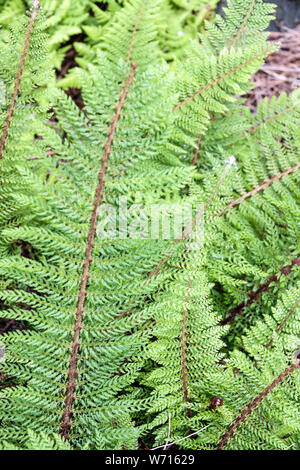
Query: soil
x=281 y=72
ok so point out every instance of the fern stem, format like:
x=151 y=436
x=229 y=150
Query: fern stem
x=260 y=188
x=243 y=25
x=284 y=321
x=36 y=6
x=187 y=234
x=72 y=374
x=218 y=80
x=188 y=229
x=184 y=349
x=197 y=151
x=268 y=120
x=247 y=411
x=253 y=296
x=134 y=32
x=157 y=268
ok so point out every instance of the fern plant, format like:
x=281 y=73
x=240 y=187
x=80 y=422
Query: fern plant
x=130 y=336
x=39 y=442
x=261 y=214
x=61 y=20
x=27 y=94
x=133 y=130
x=85 y=21
x=262 y=412
x=179 y=22
x=277 y=170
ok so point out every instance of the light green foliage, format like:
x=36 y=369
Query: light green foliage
x=178 y=23
x=244 y=23
x=250 y=234
x=268 y=351
x=152 y=345
x=62 y=20
x=183 y=21
x=29 y=114
x=188 y=344
x=119 y=274
x=208 y=84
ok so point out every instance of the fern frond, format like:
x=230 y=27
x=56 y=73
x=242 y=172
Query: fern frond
x=244 y=20
x=261 y=414
x=39 y=442
x=79 y=319
x=208 y=85
x=23 y=113
x=124 y=331
x=19 y=77
x=188 y=343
